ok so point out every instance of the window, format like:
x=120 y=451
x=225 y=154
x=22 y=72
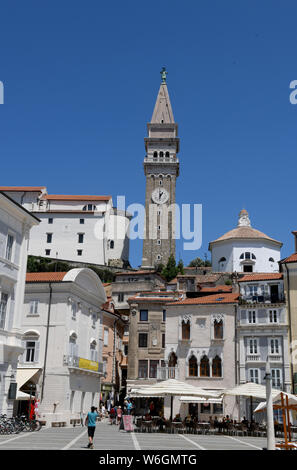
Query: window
x=79 y=252
x=93 y=351
x=160 y=182
x=186 y=330
x=142 y=340
x=193 y=367
x=276 y=377
x=155 y=156
x=271 y=260
x=217 y=367
x=73 y=346
x=164 y=315
x=273 y=316
x=163 y=340
x=218 y=329
x=47 y=252
x=158 y=257
x=142 y=369
x=81 y=221
x=153 y=368
x=9 y=246
x=49 y=238
x=111 y=244
x=126 y=348
x=89 y=207
x=158 y=242
x=252 y=316
x=247 y=268
x=143 y=315
x=73 y=310
x=253 y=346
x=254 y=375
x=204 y=367
x=247 y=255
x=94 y=319
x=105 y=337
x=80 y=237
x=3 y=308
x=274 y=346
x=50 y=220
x=222 y=260
x=120 y=297
x=31 y=345
x=33 y=307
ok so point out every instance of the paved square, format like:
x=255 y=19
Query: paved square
x=109 y=437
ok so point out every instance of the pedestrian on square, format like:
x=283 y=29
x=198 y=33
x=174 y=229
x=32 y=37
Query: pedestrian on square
x=119 y=414
x=91 y=423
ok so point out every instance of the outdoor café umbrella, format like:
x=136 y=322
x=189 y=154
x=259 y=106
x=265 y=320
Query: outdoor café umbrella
x=250 y=390
x=292 y=401
x=171 y=388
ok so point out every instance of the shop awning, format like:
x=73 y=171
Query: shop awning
x=22 y=396
x=200 y=400
x=23 y=375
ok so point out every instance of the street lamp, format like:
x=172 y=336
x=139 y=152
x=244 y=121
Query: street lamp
x=269 y=409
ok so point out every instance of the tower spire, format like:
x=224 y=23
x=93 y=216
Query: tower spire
x=163 y=113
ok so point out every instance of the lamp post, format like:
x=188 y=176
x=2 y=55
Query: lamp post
x=269 y=409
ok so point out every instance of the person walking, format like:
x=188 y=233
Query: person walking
x=91 y=423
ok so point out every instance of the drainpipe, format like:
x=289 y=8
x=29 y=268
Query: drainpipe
x=46 y=340
x=290 y=324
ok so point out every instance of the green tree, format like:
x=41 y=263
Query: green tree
x=198 y=262
x=170 y=271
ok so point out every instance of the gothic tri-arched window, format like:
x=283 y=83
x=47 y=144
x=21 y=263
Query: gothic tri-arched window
x=217 y=367
x=204 y=367
x=193 y=367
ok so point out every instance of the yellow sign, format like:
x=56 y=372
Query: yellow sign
x=87 y=364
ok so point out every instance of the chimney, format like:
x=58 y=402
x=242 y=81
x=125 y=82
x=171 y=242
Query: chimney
x=295 y=235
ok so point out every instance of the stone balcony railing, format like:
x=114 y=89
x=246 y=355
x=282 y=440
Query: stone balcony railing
x=165 y=373
x=83 y=364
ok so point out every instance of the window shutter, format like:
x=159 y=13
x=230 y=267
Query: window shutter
x=37 y=347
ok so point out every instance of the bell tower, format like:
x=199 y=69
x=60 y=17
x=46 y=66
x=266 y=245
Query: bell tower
x=161 y=168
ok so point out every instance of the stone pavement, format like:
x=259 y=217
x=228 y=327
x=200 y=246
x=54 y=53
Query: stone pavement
x=109 y=437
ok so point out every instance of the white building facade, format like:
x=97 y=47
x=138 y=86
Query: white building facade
x=245 y=249
x=200 y=339
x=62 y=341
x=85 y=229
x=263 y=332
x=15 y=226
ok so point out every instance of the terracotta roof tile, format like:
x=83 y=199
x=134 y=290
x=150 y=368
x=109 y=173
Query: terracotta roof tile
x=244 y=233
x=224 y=288
x=227 y=298
x=291 y=259
x=260 y=277
x=45 y=277
x=22 y=188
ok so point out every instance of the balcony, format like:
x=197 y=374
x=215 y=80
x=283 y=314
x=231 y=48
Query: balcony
x=82 y=364
x=165 y=373
x=260 y=299
x=253 y=358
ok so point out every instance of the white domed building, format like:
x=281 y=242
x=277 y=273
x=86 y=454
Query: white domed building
x=245 y=249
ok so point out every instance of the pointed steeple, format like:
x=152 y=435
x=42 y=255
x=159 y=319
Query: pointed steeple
x=163 y=111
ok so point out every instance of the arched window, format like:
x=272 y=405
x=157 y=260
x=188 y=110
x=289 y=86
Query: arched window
x=222 y=260
x=172 y=360
x=73 y=346
x=31 y=344
x=218 y=329
x=161 y=154
x=155 y=156
x=247 y=255
x=167 y=155
x=111 y=244
x=93 y=351
x=186 y=330
x=271 y=260
x=193 y=367
x=204 y=367
x=217 y=367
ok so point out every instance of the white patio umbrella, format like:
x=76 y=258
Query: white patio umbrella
x=292 y=400
x=171 y=388
x=250 y=390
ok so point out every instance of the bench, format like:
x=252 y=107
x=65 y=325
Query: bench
x=59 y=424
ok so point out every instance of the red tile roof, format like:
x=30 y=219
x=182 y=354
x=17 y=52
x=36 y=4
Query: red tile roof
x=291 y=259
x=69 y=197
x=45 y=277
x=22 y=188
x=224 y=288
x=210 y=299
x=260 y=277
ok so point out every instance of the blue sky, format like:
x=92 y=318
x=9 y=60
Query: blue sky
x=81 y=80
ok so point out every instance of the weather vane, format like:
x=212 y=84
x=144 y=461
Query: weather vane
x=163 y=74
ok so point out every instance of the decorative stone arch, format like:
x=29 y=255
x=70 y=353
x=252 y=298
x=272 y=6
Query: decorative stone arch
x=218 y=326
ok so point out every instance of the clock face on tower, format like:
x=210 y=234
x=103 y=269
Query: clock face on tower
x=160 y=196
